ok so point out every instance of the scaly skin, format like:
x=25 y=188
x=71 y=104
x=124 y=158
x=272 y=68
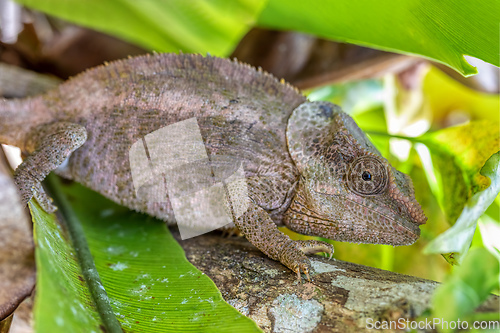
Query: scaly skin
x=347 y=190
x=303 y=161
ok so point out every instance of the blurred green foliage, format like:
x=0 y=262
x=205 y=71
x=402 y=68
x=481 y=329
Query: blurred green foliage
x=467 y=287
x=214 y=26
x=456 y=173
x=443 y=31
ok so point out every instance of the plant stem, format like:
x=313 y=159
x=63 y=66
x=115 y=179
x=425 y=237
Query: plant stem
x=85 y=259
x=393 y=136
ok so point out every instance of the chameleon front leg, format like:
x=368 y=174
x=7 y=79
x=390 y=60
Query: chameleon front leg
x=49 y=145
x=261 y=231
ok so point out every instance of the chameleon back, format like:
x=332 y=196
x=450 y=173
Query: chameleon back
x=241 y=113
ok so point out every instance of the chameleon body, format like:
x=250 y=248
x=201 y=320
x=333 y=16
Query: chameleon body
x=307 y=164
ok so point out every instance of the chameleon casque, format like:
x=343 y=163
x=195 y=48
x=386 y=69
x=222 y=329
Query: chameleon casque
x=307 y=165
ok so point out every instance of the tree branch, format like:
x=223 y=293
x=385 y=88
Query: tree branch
x=342 y=296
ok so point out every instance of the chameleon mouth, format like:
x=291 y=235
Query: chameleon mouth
x=408 y=230
x=384 y=226
x=395 y=229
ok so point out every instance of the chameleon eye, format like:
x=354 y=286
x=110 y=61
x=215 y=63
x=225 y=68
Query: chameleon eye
x=367 y=175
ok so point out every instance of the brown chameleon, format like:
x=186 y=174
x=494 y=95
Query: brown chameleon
x=307 y=165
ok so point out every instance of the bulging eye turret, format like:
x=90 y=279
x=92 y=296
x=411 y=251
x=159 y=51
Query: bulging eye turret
x=367 y=175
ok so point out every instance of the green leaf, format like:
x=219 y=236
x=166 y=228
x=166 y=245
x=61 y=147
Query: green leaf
x=197 y=26
x=63 y=301
x=467 y=287
x=458 y=154
x=443 y=31
x=146 y=280
x=490 y=232
x=457 y=239
x=449 y=99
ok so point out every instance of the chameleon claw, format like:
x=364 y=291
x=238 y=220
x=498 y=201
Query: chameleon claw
x=302 y=268
x=299 y=278
x=44 y=200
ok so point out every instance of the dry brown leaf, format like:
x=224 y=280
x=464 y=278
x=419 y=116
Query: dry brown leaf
x=17 y=263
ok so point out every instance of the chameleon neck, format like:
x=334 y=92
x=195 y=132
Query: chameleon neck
x=17 y=119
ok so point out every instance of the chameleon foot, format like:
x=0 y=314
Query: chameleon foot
x=261 y=231
x=314 y=246
x=43 y=199
x=230 y=232
x=49 y=145
x=293 y=255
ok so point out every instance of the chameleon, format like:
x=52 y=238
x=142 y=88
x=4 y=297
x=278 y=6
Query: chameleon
x=307 y=164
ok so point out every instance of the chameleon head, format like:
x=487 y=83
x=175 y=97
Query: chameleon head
x=347 y=191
